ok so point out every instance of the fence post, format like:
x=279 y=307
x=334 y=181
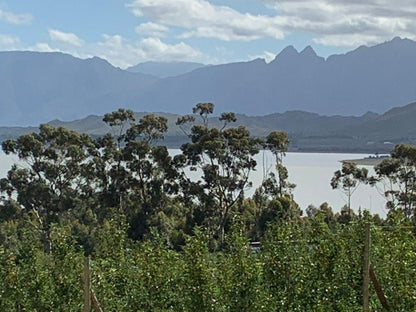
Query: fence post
x=379 y=290
x=366 y=269
x=87 y=286
x=95 y=303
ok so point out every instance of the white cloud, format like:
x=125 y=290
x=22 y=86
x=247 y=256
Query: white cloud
x=152 y=29
x=154 y=47
x=124 y=54
x=348 y=22
x=16 y=19
x=266 y=56
x=42 y=47
x=203 y=19
x=9 y=42
x=330 y=22
x=64 y=37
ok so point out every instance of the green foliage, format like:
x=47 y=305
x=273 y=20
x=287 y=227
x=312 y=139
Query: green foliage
x=159 y=241
x=348 y=179
x=225 y=158
x=301 y=266
x=399 y=174
x=241 y=276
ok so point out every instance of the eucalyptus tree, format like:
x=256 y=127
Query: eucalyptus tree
x=137 y=175
x=54 y=181
x=225 y=158
x=399 y=176
x=109 y=165
x=119 y=121
x=274 y=196
x=348 y=179
x=277 y=183
x=153 y=173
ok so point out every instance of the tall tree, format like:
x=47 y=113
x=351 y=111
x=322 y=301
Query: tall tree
x=399 y=175
x=277 y=142
x=225 y=159
x=135 y=175
x=153 y=176
x=56 y=181
x=348 y=179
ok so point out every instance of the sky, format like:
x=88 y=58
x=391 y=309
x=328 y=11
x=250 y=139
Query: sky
x=126 y=33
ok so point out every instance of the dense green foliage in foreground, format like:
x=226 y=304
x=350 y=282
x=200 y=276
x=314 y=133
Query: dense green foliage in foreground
x=160 y=241
x=302 y=266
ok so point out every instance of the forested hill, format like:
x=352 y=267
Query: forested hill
x=307 y=131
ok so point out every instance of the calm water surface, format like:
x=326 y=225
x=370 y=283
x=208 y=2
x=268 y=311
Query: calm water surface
x=311 y=172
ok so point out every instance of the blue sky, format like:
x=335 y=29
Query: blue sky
x=209 y=31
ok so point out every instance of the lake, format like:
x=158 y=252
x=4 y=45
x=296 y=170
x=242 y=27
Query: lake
x=311 y=172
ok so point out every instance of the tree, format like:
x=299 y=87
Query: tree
x=348 y=179
x=399 y=174
x=109 y=165
x=119 y=121
x=135 y=175
x=152 y=172
x=225 y=158
x=324 y=212
x=57 y=181
x=277 y=184
x=274 y=195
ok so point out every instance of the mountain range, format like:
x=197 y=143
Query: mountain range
x=38 y=87
x=370 y=132
x=165 y=69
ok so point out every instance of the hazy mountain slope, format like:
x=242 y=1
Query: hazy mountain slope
x=366 y=79
x=397 y=123
x=165 y=69
x=37 y=87
x=307 y=131
x=221 y=84
x=94 y=124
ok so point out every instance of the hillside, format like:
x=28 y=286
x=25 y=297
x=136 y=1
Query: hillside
x=307 y=131
x=38 y=87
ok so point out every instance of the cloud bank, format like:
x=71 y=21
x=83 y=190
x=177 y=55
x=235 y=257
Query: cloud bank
x=8 y=42
x=64 y=37
x=16 y=19
x=330 y=22
x=200 y=18
x=117 y=50
x=152 y=29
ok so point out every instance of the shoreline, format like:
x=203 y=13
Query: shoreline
x=367 y=161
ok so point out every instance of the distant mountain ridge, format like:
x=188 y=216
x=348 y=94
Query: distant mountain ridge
x=165 y=69
x=37 y=87
x=366 y=79
x=307 y=131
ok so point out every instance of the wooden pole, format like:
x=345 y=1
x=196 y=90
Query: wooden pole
x=95 y=303
x=379 y=290
x=87 y=285
x=366 y=269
